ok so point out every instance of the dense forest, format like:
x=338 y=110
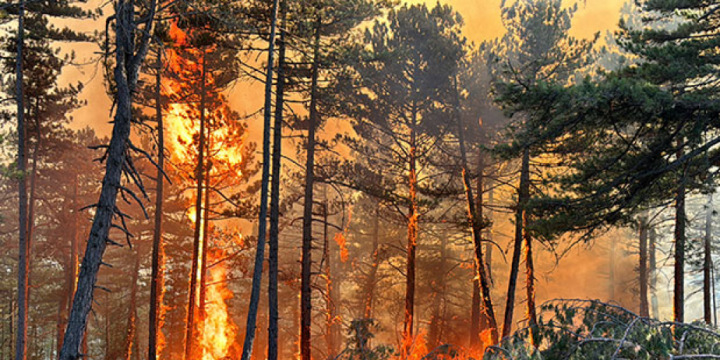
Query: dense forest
x=358 y=180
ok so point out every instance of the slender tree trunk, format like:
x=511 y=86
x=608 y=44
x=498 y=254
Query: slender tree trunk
x=652 y=272
x=329 y=300
x=129 y=55
x=412 y=220
x=273 y=242
x=190 y=335
x=530 y=280
x=707 y=265
x=680 y=219
x=520 y=218
x=205 y=238
x=643 y=268
x=372 y=276
x=305 y=281
x=489 y=232
x=71 y=267
x=437 y=320
x=158 y=252
x=23 y=244
x=131 y=326
x=251 y=324
x=475 y=219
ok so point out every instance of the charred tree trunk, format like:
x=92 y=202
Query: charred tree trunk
x=707 y=265
x=129 y=55
x=205 y=238
x=489 y=233
x=520 y=219
x=412 y=220
x=273 y=241
x=190 y=336
x=329 y=300
x=305 y=281
x=158 y=252
x=251 y=323
x=23 y=243
x=642 y=267
x=475 y=220
x=530 y=280
x=680 y=219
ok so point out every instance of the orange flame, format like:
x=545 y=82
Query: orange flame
x=218 y=330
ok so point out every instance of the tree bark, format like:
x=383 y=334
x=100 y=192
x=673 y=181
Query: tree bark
x=23 y=243
x=329 y=300
x=680 y=219
x=652 y=272
x=127 y=65
x=305 y=281
x=476 y=227
x=707 y=264
x=273 y=241
x=642 y=267
x=205 y=238
x=412 y=220
x=520 y=218
x=251 y=323
x=530 y=280
x=158 y=252
x=190 y=335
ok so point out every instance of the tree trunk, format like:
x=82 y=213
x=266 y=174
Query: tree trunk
x=251 y=324
x=489 y=233
x=305 y=281
x=71 y=267
x=680 y=219
x=642 y=267
x=412 y=220
x=131 y=334
x=158 y=252
x=129 y=55
x=329 y=300
x=475 y=220
x=707 y=265
x=205 y=238
x=190 y=335
x=530 y=280
x=520 y=218
x=652 y=272
x=23 y=243
x=273 y=242
x=372 y=277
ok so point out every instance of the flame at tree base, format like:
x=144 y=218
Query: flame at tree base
x=218 y=331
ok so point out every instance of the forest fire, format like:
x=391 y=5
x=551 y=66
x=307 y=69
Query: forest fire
x=245 y=134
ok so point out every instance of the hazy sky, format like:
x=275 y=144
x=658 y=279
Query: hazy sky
x=482 y=22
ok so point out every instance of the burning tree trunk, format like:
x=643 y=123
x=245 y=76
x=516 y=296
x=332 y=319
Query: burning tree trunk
x=190 y=337
x=412 y=220
x=262 y=218
x=127 y=65
x=642 y=268
x=158 y=253
x=275 y=195
x=520 y=220
x=305 y=280
x=23 y=244
x=680 y=219
x=707 y=264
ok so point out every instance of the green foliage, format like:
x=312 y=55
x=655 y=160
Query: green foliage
x=361 y=333
x=592 y=330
